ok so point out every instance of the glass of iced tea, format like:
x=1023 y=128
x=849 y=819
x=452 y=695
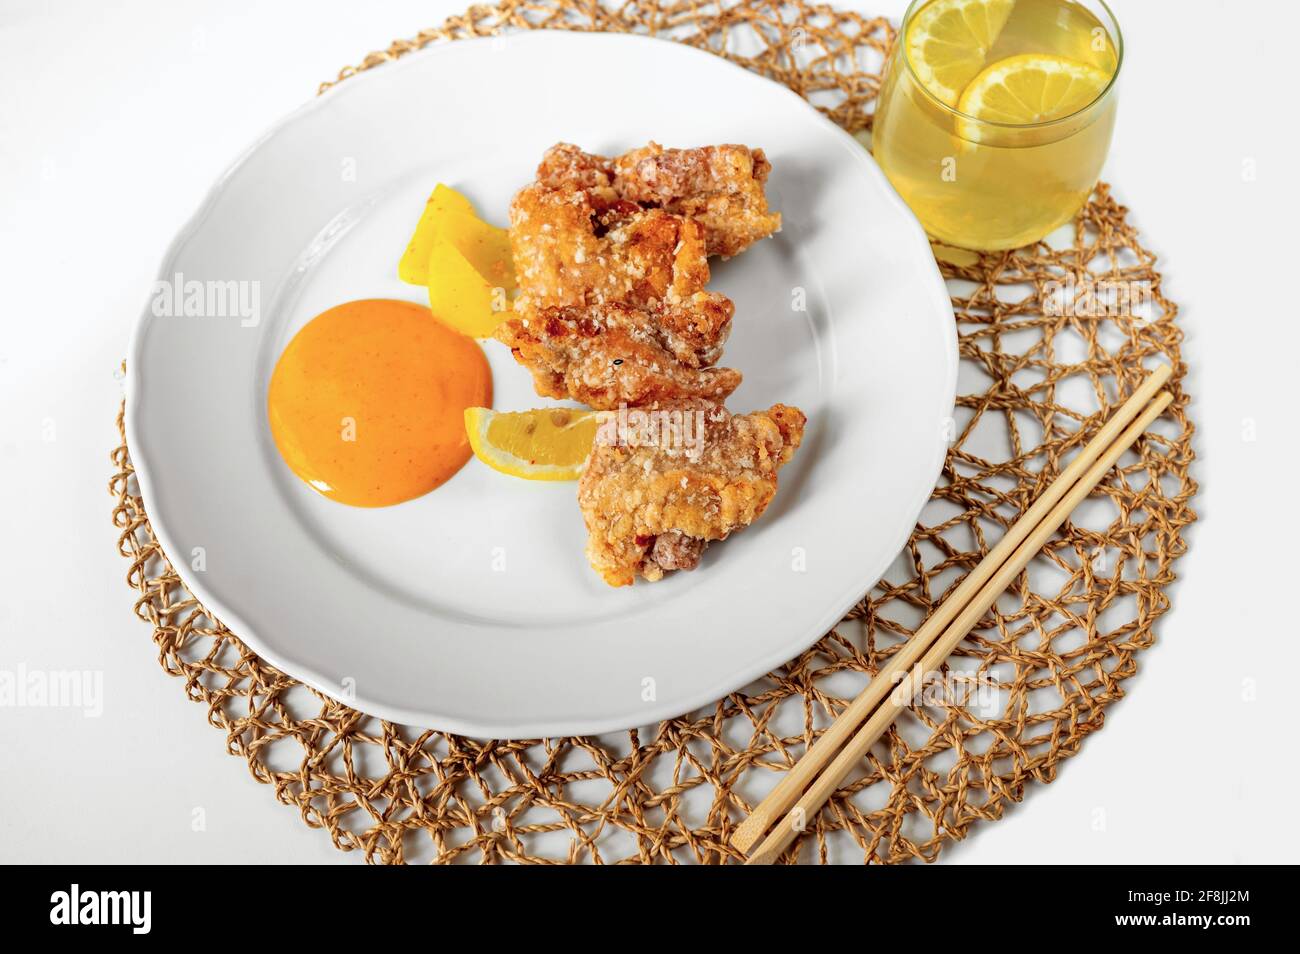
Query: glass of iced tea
x=995 y=116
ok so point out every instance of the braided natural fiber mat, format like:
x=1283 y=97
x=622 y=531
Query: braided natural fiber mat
x=1043 y=360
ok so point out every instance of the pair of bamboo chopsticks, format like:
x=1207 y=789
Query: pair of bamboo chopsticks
x=816 y=776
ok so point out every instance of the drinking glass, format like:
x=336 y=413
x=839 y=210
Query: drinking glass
x=985 y=185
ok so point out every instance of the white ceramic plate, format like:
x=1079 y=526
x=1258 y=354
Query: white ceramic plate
x=473 y=609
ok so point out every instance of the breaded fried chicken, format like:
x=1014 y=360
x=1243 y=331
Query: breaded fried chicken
x=569 y=252
x=612 y=307
x=612 y=354
x=611 y=257
x=719 y=187
x=652 y=505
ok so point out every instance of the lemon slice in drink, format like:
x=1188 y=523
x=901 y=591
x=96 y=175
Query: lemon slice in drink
x=948 y=42
x=546 y=444
x=1030 y=88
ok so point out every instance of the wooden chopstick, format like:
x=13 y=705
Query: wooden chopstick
x=970 y=601
x=826 y=784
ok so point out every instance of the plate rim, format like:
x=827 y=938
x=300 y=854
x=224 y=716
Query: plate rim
x=507 y=727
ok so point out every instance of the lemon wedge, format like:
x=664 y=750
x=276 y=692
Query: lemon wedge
x=545 y=444
x=414 y=264
x=465 y=263
x=948 y=42
x=1030 y=88
x=468 y=290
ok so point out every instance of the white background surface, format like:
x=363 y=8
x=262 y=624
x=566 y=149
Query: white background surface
x=115 y=119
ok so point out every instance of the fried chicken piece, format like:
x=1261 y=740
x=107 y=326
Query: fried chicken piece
x=655 y=494
x=612 y=354
x=569 y=251
x=612 y=307
x=565 y=166
x=719 y=187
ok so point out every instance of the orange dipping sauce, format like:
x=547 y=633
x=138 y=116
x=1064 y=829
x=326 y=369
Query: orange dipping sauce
x=367 y=403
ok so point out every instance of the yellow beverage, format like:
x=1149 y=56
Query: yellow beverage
x=996 y=115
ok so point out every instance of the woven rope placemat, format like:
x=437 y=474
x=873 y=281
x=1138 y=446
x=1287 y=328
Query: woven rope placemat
x=1051 y=338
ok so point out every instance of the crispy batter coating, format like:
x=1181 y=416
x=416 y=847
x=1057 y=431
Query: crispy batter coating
x=612 y=354
x=715 y=478
x=569 y=252
x=612 y=261
x=565 y=166
x=612 y=306
x=719 y=187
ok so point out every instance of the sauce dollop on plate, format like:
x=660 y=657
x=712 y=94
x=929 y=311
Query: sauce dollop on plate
x=367 y=402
